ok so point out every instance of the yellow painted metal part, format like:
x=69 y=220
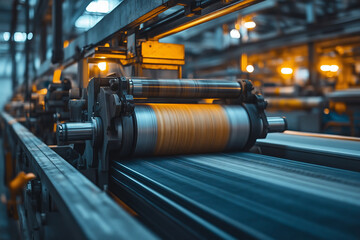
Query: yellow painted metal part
x=16 y=187
x=56 y=76
x=160 y=67
x=9 y=167
x=164 y=56
x=155 y=49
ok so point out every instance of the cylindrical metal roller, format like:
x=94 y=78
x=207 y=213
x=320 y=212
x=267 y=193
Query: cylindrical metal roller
x=78 y=131
x=184 y=88
x=168 y=129
x=164 y=129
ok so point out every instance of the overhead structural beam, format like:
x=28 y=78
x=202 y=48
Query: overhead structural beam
x=58 y=52
x=193 y=32
x=12 y=48
x=27 y=50
x=126 y=16
x=75 y=14
x=129 y=14
x=40 y=11
x=207 y=14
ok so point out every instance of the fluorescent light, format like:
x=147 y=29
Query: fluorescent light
x=234 y=33
x=98 y=7
x=30 y=36
x=87 y=21
x=286 y=70
x=6 y=36
x=250 y=24
x=95 y=11
x=18 y=36
x=250 y=68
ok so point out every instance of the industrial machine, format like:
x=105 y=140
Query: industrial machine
x=136 y=151
x=133 y=117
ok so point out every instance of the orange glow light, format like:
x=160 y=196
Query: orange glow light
x=66 y=43
x=102 y=66
x=286 y=70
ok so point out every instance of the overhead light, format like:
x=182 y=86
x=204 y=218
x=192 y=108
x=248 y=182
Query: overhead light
x=18 y=36
x=334 y=68
x=286 y=70
x=234 y=33
x=250 y=24
x=6 y=36
x=249 y=68
x=102 y=66
x=87 y=21
x=94 y=12
x=325 y=68
x=98 y=7
x=329 y=68
x=30 y=36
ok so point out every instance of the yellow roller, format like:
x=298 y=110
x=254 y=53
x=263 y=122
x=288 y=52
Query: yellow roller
x=191 y=128
x=165 y=129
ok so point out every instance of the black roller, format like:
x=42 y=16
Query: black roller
x=184 y=88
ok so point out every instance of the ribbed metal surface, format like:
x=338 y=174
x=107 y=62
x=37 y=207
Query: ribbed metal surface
x=185 y=88
x=169 y=129
x=332 y=151
x=240 y=195
x=75 y=131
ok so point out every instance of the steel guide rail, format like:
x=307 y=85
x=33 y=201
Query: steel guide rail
x=89 y=211
x=324 y=150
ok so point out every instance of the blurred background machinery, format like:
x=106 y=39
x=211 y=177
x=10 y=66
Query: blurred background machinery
x=141 y=119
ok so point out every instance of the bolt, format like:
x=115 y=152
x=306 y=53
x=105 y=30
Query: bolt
x=114 y=84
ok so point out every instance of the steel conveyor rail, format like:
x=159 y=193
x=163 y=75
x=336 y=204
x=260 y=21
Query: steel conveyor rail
x=86 y=211
x=240 y=195
x=322 y=149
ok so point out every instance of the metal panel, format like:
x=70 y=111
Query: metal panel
x=324 y=150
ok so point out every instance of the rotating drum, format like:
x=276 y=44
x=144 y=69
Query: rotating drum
x=167 y=129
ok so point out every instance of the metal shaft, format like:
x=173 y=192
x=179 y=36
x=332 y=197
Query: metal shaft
x=277 y=124
x=79 y=131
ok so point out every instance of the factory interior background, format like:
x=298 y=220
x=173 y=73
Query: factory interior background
x=181 y=119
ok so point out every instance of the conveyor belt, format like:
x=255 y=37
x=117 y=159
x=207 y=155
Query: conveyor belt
x=240 y=195
x=332 y=151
